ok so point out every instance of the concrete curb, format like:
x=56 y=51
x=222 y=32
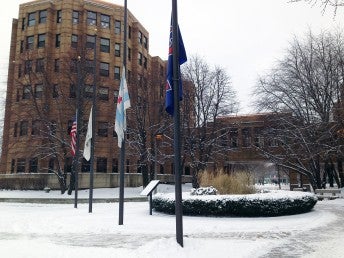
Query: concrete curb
x=70 y=201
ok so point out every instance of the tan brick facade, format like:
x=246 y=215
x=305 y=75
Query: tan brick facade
x=52 y=41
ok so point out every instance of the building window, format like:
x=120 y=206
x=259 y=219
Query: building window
x=33 y=165
x=85 y=165
x=42 y=16
x=40 y=65
x=74 y=41
x=88 y=91
x=145 y=62
x=19 y=70
x=30 y=42
x=21 y=165
x=55 y=91
x=91 y=18
x=21 y=46
x=105 y=45
x=115 y=166
x=72 y=91
x=23 y=24
x=41 y=41
x=28 y=67
x=117 y=73
x=89 y=66
x=57 y=65
x=139 y=58
x=31 y=19
x=75 y=17
x=103 y=93
x=26 y=92
x=258 y=137
x=128 y=166
x=233 y=137
x=117 y=27
x=59 y=16
x=139 y=37
x=104 y=69
x=102 y=164
x=17 y=96
x=36 y=127
x=103 y=129
x=90 y=41
x=13 y=164
x=104 y=21
x=145 y=42
x=15 y=129
x=23 y=128
x=129 y=32
x=117 y=49
x=246 y=137
x=129 y=54
x=129 y=76
x=57 y=40
x=38 y=91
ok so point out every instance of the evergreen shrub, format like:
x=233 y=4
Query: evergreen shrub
x=275 y=203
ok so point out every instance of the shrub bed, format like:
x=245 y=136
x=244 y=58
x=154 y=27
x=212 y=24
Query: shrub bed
x=275 y=203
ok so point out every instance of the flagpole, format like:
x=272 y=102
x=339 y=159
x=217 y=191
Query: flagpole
x=76 y=157
x=122 y=154
x=176 y=117
x=93 y=110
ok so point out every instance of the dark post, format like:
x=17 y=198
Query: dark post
x=122 y=155
x=94 y=108
x=177 y=163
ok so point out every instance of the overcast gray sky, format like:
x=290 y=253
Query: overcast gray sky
x=243 y=36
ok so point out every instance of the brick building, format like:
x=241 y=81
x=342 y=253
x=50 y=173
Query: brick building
x=59 y=48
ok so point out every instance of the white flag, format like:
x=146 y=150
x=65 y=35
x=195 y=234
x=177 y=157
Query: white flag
x=123 y=102
x=87 y=147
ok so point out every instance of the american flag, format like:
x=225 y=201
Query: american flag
x=73 y=137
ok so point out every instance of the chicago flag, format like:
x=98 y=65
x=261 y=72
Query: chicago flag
x=123 y=103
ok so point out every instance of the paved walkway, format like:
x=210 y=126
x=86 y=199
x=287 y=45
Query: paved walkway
x=320 y=242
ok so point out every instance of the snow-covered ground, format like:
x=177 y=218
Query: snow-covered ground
x=60 y=230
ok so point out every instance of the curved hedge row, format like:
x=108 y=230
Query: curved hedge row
x=275 y=203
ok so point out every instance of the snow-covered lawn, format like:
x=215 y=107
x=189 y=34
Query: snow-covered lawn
x=60 y=230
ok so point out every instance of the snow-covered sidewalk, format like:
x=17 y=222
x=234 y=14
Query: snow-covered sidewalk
x=59 y=230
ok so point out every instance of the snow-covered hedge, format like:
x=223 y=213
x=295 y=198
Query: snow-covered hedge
x=274 y=203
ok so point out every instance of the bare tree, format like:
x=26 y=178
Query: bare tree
x=210 y=96
x=305 y=88
x=147 y=119
x=324 y=3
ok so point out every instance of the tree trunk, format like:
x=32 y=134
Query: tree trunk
x=145 y=175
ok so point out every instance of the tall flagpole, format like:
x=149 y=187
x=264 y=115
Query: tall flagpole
x=176 y=117
x=122 y=154
x=78 y=122
x=94 y=108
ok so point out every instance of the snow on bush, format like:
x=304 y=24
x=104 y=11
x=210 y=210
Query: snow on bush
x=274 y=203
x=203 y=191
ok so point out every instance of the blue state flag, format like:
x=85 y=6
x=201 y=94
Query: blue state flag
x=169 y=105
x=123 y=103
